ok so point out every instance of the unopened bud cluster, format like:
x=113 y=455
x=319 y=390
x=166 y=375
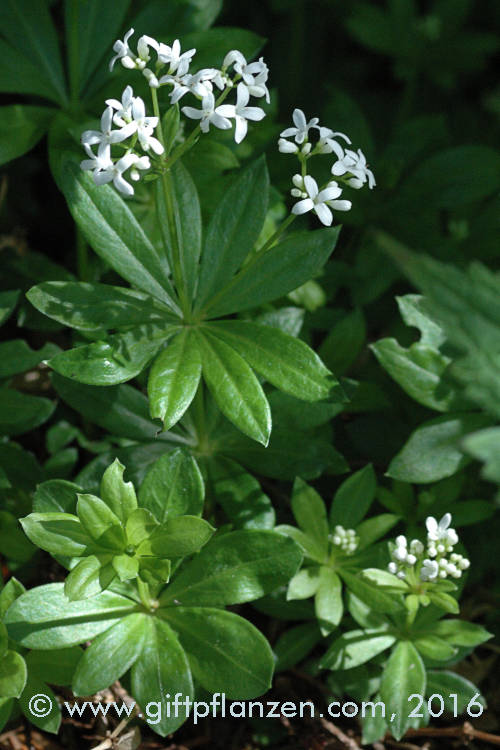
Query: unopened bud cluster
x=433 y=561
x=350 y=167
x=345 y=539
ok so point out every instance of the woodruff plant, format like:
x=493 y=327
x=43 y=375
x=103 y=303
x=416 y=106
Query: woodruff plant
x=172 y=316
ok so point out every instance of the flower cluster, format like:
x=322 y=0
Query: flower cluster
x=433 y=561
x=172 y=68
x=345 y=539
x=134 y=131
x=350 y=167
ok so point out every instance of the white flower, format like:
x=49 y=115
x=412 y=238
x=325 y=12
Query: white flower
x=123 y=114
x=106 y=137
x=115 y=172
x=355 y=164
x=95 y=162
x=254 y=74
x=207 y=114
x=126 y=56
x=346 y=539
x=302 y=127
x=151 y=78
x=173 y=58
x=145 y=126
x=326 y=143
x=200 y=84
x=286 y=147
x=241 y=112
x=440 y=532
x=429 y=570
x=416 y=547
x=317 y=201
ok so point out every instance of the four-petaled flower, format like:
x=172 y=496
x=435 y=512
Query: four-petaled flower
x=126 y=56
x=114 y=172
x=302 y=127
x=241 y=112
x=318 y=201
x=207 y=114
x=106 y=137
x=123 y=114
x=173 y=58
x=355 y=164
x=145 y=126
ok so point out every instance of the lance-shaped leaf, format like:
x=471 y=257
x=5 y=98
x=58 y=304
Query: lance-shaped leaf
x=20 y=412
x=355 y=648
x=240 y=495
x=100 y=522
x=110 y=655
x=174 y=378
x=115 y=235
x=274 y=273
x=21 y=127
x=178 y=537
x=227 y=654
x=57 y=533
x=403 y=676
x=310 y=513
x=88 y=578
x=44 y=618
x=13 y=675
x=96 y=307
x=328 y=603
x=116 y=493
x=283 y=360
x=161 y=671
x=235 y=388
x=120 y=358
x=233 y=229
x=234 y=568
x=173 y=487
x=16 y=356
x=353 y=498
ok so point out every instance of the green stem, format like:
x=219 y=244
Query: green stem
x=166 y=183
x=277 y=234
x=199 y=416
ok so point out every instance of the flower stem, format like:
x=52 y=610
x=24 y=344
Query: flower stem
x=277 y=234
x=166 y=182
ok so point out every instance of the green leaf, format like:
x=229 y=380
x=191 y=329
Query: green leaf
x=212 y=45
x=111 y=654
x=44 y=618
x=177 y=537
x=295 y=644
x=179 y=17
x=139 y=526
x=304 y=583
x=285 y=361
x=227 y=654
x=403 y=676
x=344 y=342
x=91 y=29
x=54 y=496
x=20 y=412
x=118 y=495
x=233 y=568
x=21 y=127
x=434 y=451
x=4 y=640
x=173 y=487
x=56 y=666
x=353 y=498
x=120 y=410
x=96 y=307
x=13 y=675
x=120 y=358
x=34 y=686
x=233 y=229
x=419 y=369
x=240 y=495
x=28 y=27
x=235 y=388
x=385 y=579
x=10 y=592
x=444 y=601
x=307 y=544
x=19 y=76
x=446 y=683
x=100 y=523
x=88 y=578
x=8 y=301
x=6 y=706
x=16 y=356
x=356 y=647
x=273 y=274
x=174 y=378
x=328 y=603
x=310 y=513
x=435 y=648
x=125 y=567
x=373 y=529
x=111 y=229
x=378 y=600
x=461 y=633
x=161 y=671
x=57 y=533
